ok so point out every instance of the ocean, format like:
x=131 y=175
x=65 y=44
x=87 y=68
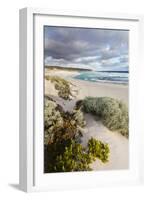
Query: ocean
x=118 y=77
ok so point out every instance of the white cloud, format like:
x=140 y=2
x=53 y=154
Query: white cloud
x=83 y=47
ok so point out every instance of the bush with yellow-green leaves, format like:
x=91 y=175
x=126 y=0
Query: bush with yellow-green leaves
x=70 y=156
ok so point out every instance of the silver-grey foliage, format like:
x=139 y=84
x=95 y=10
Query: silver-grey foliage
x=52 y=119
x=112 y=112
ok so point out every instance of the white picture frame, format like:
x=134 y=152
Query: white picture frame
x=31 y=101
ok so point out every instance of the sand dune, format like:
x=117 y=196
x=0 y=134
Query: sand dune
x=119 y=145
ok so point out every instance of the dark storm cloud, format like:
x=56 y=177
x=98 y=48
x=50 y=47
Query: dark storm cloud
x=94 y=48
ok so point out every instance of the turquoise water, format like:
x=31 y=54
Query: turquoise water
x=97 y=76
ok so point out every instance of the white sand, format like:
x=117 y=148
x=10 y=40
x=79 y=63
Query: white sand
x=97 y=89
x=60 y=73
x=119 y=148
x=119 y=145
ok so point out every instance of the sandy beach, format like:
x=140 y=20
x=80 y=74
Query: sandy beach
x=119 y=145
x=87 y=88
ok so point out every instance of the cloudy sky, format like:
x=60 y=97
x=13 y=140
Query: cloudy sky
x=98 y=49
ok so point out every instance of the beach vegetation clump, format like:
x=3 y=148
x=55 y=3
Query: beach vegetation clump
x=71 y=128
x=69 y=155
x=65 y=88
x=78 y=117
x=98 y=149
x=53 y=119
x=63 y=151
x=59 y=125
x=112 y=112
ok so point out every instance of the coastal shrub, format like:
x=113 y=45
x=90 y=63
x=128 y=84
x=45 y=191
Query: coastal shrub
x=52 y=119
x=59 y=125
x=79 y=105
x=98 y=149
x=74 y=158
x=62 y=151
x=78 y=118
x=64 y=87
x=66 y=156
x=72 y=126
x=70 y=156
x=113 y=113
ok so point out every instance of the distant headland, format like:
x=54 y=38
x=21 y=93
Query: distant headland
x=68 y=68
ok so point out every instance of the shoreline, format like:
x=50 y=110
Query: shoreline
x=98 y=82
x=102 y=81
x=94 y=89
x=72 y=75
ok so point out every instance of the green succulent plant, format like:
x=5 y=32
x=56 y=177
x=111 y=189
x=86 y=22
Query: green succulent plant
x=98 y=149
x=69 y=156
